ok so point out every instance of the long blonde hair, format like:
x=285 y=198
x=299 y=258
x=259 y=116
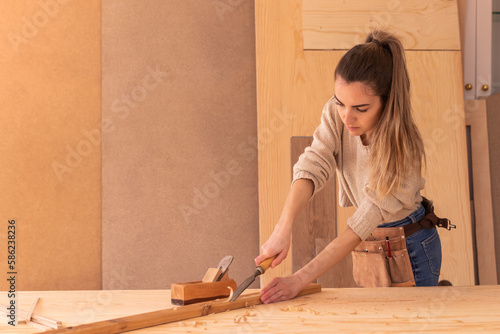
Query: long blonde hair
x=397 y=146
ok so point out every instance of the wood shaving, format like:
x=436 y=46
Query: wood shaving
x=199 y=323
x=310 y=310
x=181 y=324
x=243 y=317
x=230 y=294
x=175 y=308
x=297 y=307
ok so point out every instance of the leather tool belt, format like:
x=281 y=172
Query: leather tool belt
x=382 y=260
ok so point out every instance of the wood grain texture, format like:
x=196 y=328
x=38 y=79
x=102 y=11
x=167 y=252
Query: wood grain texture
x=50 y=130
x=315 y=227
x=317 y=220
x=475 y=111
x=170 y=315
x=438 y=105
x=295 y=84
x=198 y=291
x=422 y=25
x=340 y=275
x=493 y=117
x=471 y=309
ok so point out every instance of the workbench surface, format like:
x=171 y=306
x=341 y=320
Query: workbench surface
x=349 y=310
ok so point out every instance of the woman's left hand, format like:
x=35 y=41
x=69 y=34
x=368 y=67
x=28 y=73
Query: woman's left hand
x=281 y=288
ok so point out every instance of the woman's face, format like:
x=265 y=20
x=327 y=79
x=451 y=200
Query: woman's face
x=358 y=108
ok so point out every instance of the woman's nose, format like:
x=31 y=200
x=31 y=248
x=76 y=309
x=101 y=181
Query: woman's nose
x=349 y=116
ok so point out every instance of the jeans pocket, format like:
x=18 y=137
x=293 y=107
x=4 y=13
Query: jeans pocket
x=432 y=248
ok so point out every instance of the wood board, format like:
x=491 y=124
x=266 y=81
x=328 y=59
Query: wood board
x=316 y=226
x=422 y=25
x=382 y=310
x=476 y=118
x=493 y=118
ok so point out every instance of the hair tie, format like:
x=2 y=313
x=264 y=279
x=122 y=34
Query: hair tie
x=376 y=41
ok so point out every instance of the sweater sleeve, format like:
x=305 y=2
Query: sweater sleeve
x=318 y=163
x=373 y=211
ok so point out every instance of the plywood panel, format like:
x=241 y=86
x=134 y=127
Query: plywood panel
x=51 y=148
x=493 y=118
x=422 y=25
x=438 y=106
x=299 y=83
x=483 y=210
x=316 y=227
x=180 y=163
x=317 y=220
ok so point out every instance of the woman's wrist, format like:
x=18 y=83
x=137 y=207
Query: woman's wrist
x=302 y=280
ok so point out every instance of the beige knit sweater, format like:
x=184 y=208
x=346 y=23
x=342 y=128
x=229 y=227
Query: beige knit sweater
x=333 y=148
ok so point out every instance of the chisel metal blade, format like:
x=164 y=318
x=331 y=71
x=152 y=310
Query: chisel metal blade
x=264 y=265
x=246 y=283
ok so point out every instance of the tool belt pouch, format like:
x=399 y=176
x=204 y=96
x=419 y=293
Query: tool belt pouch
x=372 y=267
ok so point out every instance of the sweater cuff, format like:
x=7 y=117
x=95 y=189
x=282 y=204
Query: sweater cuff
x=306 y=175
x=366 y=218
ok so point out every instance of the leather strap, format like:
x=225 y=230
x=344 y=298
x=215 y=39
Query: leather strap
x=429 y=221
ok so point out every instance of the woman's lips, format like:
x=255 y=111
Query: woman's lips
x=351 y=128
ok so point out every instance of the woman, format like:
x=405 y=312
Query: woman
x=368 y=136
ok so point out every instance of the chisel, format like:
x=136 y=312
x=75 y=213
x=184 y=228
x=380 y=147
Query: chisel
x=261 y=268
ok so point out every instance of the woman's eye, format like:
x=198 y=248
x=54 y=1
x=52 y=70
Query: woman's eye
x=362 y=110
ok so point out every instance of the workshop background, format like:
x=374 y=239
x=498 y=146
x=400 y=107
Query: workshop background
x=142 y=141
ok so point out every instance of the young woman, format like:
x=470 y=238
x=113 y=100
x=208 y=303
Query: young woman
x=368 y=136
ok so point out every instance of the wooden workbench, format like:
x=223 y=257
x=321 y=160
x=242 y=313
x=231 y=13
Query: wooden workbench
x=349 y=310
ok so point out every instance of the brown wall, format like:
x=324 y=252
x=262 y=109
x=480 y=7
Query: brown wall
x=50 y=182
x=179 y=159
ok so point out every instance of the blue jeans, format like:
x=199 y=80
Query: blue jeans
x=424 y=249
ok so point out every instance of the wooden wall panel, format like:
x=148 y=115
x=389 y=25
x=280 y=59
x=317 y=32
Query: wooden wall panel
x=438 y=104
x=493 y=118
x=180 y=161
x=317 y=220
x=422 y=25
x=50 y=134
x=298 y=83
x=316 y=227
x=476 y=118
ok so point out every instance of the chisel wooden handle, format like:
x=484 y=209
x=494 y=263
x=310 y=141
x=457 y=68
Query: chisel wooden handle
x=266 y=264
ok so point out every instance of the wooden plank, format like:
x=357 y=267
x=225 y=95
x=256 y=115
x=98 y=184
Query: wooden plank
x=340 y=275
x=32 y=318
x=316 y=226
x=493 y=117
x=422 y=25
x=138 y=321
x=484 y=229
x=318 y=218
x=437 y=85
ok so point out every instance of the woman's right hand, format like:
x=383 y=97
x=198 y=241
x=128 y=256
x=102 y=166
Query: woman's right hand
x=277 y=244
